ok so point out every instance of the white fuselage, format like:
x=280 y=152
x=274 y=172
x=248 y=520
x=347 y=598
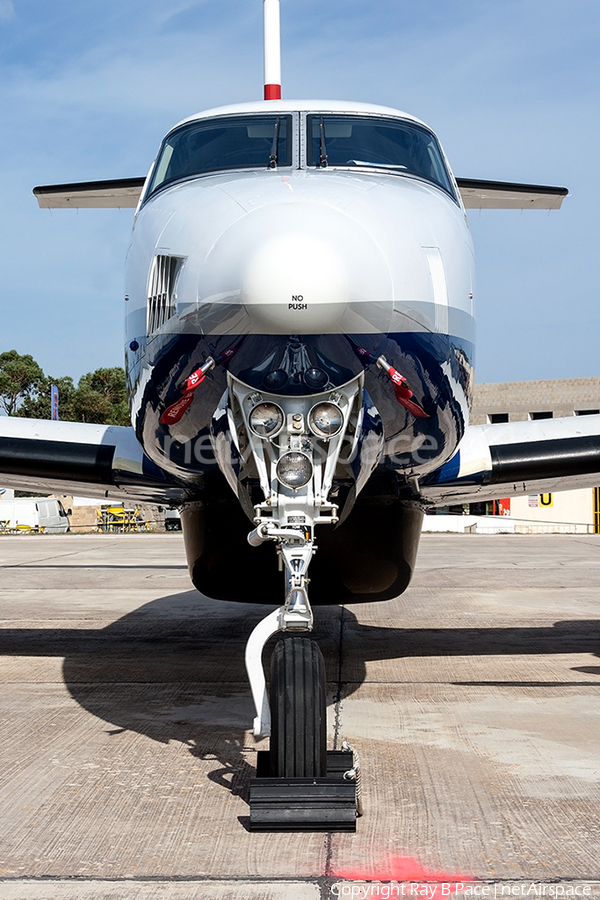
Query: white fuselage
x=344 y=259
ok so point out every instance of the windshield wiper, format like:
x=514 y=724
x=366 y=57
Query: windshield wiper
x=274 y=157
x=380 y=165
x=322 y=144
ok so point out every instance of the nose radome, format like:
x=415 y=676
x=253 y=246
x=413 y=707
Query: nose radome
x=296 y=268
x=295 y=282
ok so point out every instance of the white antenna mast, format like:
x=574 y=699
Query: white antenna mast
x=272 y=52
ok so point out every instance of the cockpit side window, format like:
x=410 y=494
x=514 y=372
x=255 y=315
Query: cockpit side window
x=392 y=144
x=241 y=142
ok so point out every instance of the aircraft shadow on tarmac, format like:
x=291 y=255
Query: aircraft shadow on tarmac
x=173 y=669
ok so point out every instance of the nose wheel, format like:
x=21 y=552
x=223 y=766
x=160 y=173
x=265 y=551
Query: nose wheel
x=298 y=710
x=299 y=785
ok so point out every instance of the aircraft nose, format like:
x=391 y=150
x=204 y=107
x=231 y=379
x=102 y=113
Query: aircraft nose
x=296 y=277
x=298 y=268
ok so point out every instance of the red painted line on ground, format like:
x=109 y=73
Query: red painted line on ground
x=405 y=868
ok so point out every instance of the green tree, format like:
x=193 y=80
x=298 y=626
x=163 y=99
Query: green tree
x=39 y=406
x=101 y=398
x=20 y=379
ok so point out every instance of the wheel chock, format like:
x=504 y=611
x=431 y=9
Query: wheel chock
x=304 y=804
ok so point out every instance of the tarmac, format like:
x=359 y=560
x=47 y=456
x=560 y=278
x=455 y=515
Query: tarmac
x=473 y=701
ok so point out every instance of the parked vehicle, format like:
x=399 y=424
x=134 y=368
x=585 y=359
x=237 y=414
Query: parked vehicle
x=172 y=520
x=26 y=514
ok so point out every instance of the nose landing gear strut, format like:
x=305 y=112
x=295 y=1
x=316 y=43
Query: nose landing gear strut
x=300 y=786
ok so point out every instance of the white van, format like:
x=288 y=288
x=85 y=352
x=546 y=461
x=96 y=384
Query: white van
x=34 y=514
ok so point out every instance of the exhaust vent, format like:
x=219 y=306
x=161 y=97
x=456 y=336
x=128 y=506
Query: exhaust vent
x=161 y=290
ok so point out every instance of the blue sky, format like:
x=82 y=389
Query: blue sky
x=87 y=90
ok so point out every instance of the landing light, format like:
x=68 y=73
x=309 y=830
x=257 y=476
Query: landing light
x=316 y=379
x=266 y=420
x=275 y=380
x=325 y=420
x=294 y=469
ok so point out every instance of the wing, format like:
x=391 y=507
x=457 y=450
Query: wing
x=478 y=194
x=504 y=460
x=104 y=461
x=120 y=193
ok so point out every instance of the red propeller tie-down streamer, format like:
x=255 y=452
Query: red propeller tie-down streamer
x=401 y=389
x=173 y=413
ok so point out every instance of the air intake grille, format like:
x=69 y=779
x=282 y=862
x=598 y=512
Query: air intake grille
x=161 y=291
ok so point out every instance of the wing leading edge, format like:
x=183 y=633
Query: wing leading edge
x=104 y=461
x=508 y=459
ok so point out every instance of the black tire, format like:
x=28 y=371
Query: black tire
x=298 y=710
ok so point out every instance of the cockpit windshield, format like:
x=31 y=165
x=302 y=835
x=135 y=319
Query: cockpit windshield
x=240 y=142
x=392 y=144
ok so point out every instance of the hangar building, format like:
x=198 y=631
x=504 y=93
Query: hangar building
x=518 y=401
